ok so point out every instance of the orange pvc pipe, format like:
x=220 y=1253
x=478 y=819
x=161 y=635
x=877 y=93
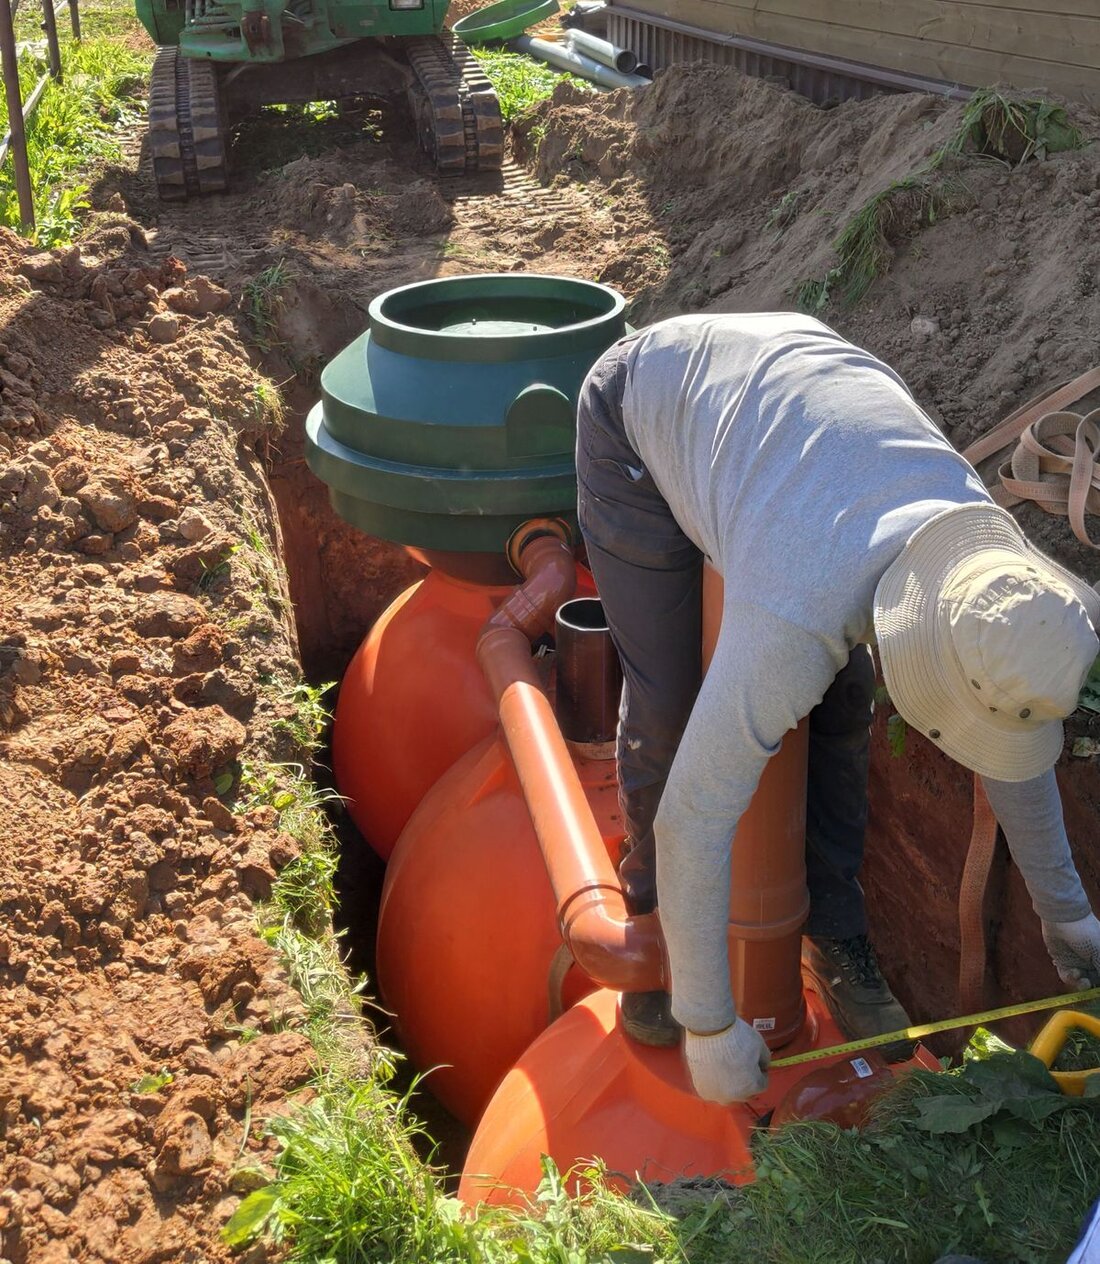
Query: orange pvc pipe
x=768 y=897
x=615 y=949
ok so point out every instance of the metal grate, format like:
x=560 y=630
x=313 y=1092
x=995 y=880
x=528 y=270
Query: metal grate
x=661 y=42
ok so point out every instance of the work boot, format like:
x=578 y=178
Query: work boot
x=846 y=975
x=647 y=1018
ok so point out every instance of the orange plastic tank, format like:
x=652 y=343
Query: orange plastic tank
x=414 y=699
x=467 y=934
x=585 y=1089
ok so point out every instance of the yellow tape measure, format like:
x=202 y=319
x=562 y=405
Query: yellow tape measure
x=945 y=1024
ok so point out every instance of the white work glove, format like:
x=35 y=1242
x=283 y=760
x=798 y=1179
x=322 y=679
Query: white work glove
x=1074 y=948
x=730 y=1066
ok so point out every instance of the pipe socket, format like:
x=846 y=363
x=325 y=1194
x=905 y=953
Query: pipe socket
x=589 y=677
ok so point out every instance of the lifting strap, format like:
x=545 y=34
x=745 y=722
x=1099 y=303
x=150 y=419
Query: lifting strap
x=1056 y=462
x=973 y=912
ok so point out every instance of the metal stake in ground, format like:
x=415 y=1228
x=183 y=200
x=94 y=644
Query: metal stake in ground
x=9 y=66
x=49 y=25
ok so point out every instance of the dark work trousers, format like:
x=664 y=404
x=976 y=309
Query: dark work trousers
x=649 y=576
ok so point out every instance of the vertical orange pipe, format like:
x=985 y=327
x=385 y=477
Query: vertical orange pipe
x=768 y=897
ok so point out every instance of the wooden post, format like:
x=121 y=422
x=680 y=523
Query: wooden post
x=9 y=67
x=74 y=16
x=49 y=25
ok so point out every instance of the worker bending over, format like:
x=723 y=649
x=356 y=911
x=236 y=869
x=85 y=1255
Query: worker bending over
x=837 y=514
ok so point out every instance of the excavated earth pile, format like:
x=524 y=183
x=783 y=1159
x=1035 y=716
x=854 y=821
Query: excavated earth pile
x=143 y=644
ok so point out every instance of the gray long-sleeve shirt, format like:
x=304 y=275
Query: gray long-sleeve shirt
x=800 y=466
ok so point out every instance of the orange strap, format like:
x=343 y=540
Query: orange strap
x=1057 y=461
x=973 y=948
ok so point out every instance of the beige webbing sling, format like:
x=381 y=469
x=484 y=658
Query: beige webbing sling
x=1056 y=461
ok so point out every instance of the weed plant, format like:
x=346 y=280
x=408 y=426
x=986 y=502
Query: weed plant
x=76 y=128
x=520 y=81
x=261 y=300
x=993 y=126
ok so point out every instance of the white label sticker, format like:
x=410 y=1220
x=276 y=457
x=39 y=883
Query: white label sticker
x=862 y=1068
x=763 y=1024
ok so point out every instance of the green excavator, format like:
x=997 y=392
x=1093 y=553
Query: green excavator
x=219 y=60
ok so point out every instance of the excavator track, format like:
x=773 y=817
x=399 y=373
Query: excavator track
x=455 y=105
x=187 y=127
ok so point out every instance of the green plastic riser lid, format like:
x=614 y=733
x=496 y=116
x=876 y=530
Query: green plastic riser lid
x=451 y=421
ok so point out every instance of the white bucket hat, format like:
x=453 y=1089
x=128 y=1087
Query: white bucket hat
x=985 y=642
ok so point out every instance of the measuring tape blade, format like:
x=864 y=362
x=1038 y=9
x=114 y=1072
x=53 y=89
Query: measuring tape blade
x=930 y=1029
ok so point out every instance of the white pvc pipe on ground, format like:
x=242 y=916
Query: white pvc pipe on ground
x=565 y=58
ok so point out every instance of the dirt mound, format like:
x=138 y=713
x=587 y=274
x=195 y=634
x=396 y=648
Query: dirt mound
x=332 y=198
x=730 y=191
x=136 y=627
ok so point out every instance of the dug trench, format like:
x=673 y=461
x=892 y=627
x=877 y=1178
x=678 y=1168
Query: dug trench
x=717 y=192
x=171 y=569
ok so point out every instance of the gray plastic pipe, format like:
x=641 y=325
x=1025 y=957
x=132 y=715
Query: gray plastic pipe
x=603 y=51
x=565 y=58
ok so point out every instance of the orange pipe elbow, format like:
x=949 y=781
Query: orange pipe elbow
x=541 y=552
x=613 y=948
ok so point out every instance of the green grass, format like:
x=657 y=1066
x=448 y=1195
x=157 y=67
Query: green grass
x=261 y=299
x=1081 y=1052
x=994 y=126
x=350 y=1189
x=76 y=128
x=268 y=406
x=278 y=134
x=520 y=81
x=989 y=1160
x=308 y=717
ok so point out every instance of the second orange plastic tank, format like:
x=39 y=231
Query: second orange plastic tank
x=468 y=943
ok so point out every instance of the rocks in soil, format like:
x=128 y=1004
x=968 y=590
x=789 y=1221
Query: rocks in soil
x=198 y=297
x=204 y=740
x=43 y=268
x=194 y=524
x=110 y=502
x=163 y=327
x=182 y=1142
x=169 y=614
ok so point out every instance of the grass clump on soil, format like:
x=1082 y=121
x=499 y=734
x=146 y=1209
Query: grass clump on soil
x=261 y=301
x=77 y=125
x=993 y=126
x=520 y=81
x=351 y=1189
x=989 y=1160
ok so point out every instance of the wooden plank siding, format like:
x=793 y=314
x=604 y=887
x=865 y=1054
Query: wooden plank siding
x=959 y=41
